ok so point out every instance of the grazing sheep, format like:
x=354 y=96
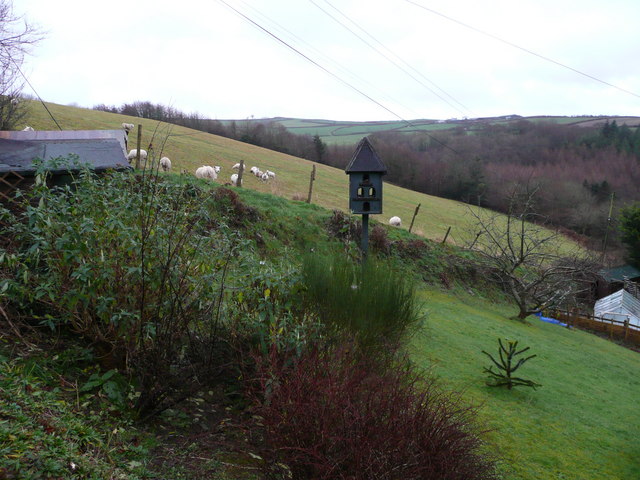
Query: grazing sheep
x=254 y=170
x=206 y=171
x=28 y=129
x=234 y=180
x=395 y=221
x=236 y=167
x=133 y=153
x=258 y=173
x=271 y=174
x=264 y=177
x=127 y=127
x=165 y=164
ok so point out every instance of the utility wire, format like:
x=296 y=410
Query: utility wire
x=511 y=44
x=344 y=82
x=390 y=59
x=327 y=58
x=34 y=91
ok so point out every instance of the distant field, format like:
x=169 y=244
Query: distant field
x=189 y=149
x=350 y=133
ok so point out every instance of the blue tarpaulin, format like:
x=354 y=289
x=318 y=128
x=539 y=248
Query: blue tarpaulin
x=549 y=320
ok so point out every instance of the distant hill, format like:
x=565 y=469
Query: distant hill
x=335 y=132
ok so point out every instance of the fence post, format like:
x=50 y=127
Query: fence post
x=414 y=217
x=313 y=177
x=138 y=147
x=444 y=240
x=626 y=329
x=240 y=172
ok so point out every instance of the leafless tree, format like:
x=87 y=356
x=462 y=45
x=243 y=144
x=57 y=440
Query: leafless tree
x=530 y=262
x=17 y=36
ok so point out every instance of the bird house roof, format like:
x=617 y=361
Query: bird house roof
x=365 y=159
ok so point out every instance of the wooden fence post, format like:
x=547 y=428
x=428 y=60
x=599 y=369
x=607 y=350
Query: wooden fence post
x=414 y=217
x=313 y=177
x=240 y=172
x=138 y=147
x=446 y=235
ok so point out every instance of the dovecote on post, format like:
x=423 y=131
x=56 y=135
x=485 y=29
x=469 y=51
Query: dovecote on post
x=365 y=172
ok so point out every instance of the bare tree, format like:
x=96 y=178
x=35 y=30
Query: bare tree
x=16 y=38
x=530 y=262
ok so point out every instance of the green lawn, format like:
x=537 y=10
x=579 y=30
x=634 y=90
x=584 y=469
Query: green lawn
x=582 y=424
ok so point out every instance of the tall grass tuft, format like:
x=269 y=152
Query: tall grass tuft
x=373 y=302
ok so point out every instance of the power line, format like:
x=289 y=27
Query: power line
x=326 y=58
x=511 y=44
x=390 y=59
x=34 y=91
x=324 y=69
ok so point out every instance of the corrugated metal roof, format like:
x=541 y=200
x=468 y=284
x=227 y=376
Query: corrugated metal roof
x=365 y=159
x=102 y=149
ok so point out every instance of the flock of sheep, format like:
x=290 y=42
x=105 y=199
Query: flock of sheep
x=211 y=172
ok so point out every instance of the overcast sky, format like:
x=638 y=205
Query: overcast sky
x=201 y=56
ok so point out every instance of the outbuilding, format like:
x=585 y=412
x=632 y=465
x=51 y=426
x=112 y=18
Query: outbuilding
x=620 y=306
x=102 y=150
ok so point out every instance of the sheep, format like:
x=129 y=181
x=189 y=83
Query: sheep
x=165 y=164
x=271 y=174
x=254 y=170
x=234 y=180
x=28 y=129
x=236 y=167
x=395 y=221
x=127 y=127
x=217 y=168
x=258 y=173
x=206 y=171
x=264 y=177
x=133 y=153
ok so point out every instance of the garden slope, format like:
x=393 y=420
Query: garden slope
x=189 y=149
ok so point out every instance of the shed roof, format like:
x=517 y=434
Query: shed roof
x=365 y=159
x=619 y=274
x=102 y=149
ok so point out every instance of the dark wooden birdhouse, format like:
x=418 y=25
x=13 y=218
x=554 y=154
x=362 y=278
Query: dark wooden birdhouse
x=365 y=172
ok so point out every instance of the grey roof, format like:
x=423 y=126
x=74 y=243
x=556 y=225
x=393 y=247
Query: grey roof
x=102 y=149
x=618 y=274
x=365 y=159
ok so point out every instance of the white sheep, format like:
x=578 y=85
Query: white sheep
x=234 y=180
x=236 y=167
x=165 y=164
x=271 y=174
x=133 y=153
x=254 y=170
x=395 y=221
x=127 y=127
x=28 y=129
x=217 y=168
x=264 y=177
x=206 y=171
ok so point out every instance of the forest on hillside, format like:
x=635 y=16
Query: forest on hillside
x=575 y=171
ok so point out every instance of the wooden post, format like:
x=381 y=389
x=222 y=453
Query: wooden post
x=313 y=177
x=475 y=240
x=446 y=235
x=138 y=147
x=240 y=172
x=414 y=217
x=626 y=329
x=365 y=236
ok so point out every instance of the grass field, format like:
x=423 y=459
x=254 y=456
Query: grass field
x=582 y=424
x=189 y=149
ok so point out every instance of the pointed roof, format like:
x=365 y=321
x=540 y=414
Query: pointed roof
x=365 y=159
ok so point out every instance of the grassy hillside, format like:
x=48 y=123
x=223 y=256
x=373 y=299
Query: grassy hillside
x=189 y=149
x=581 y=424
